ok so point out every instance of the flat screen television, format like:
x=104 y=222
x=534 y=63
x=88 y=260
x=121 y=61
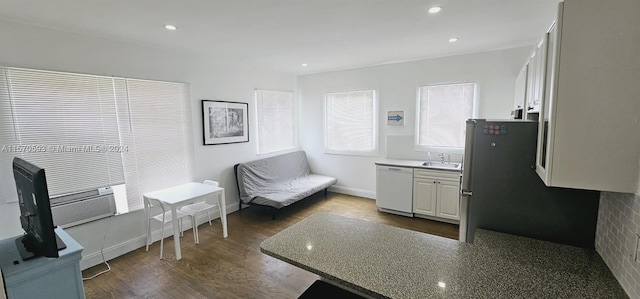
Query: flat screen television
x=40 y=238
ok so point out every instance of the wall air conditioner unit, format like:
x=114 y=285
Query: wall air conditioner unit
x=75 y=209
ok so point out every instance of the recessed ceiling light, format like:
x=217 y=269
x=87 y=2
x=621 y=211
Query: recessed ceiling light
x=435 y=9
x=453 y=39
x=304 y=65
x=170 y=27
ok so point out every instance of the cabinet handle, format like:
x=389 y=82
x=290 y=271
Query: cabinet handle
x=529 y=108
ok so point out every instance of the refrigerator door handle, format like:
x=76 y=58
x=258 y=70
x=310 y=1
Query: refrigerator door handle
x=464 y=219
x=468 y=156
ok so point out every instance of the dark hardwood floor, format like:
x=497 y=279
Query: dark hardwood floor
x=234 y=267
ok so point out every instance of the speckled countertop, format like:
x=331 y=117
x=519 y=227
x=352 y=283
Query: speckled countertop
x=383 y=261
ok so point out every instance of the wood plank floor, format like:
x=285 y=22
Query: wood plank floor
x=234 y=267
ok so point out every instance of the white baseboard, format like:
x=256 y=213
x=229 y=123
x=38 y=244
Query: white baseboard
x=353 y=191
x=117 y=250
x=111 y=252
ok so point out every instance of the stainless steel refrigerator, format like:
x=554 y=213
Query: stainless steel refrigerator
x=501 y=191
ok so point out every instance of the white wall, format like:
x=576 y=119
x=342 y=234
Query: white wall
x=40 y=48
x=397 y=84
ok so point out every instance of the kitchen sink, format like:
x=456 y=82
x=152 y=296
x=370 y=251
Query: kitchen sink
x=441 y=165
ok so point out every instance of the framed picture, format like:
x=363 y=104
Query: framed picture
x=225 y=122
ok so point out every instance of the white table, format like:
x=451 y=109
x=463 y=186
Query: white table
x=180 y=195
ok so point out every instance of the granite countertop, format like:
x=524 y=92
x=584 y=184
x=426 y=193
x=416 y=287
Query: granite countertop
x=383 y=261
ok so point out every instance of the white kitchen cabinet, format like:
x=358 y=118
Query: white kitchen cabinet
x=521 y=89
x=589 y=127
x=424 y=196
x=538 y=76
x=448 y=199
x=436 y=194
x=535 y=72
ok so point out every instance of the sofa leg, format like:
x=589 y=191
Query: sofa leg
x=325 y=192
x=239 y=205
x=274 y=212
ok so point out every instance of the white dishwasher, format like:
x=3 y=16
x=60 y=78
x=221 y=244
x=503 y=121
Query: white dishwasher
x=394 y=190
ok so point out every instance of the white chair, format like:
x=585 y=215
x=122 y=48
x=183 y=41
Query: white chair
x=163 y=218
x=202 y=206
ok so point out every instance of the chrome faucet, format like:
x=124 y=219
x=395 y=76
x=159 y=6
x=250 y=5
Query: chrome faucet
x=441 y=157
x=448 y=159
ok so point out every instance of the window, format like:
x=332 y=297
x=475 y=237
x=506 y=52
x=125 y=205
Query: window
x=276 y=120
x=92 y=131
x=442 y=111
x=351 y=122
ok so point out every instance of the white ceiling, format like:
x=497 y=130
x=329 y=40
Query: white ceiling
x=283 y=34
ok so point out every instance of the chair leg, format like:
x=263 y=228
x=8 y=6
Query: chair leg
x=194 y=221
x=181 y=230
x=162 y=241
x=148 y=232
x=209 y=215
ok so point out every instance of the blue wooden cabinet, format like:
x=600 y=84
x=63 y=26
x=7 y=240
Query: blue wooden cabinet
x=42 y=277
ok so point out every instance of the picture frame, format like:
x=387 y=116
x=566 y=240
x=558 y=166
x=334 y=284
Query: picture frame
x=224 y=122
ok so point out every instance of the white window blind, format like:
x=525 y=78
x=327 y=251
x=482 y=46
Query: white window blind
x=92 y=131
x=66 y=124
x=155 y=122
x=442 y=112
x=7 y=138
x=276 y=119
x=350 y=123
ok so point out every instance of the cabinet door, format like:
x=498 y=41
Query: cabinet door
x=542 y=158
x=531 y=74
x=448 y=201
x=521 y=89
x=424 y=196
x=539 y=76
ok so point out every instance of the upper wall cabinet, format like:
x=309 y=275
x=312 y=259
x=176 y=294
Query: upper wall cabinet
x=521 y=89
x=530 y=81
x=589 y=130
x=537 y=86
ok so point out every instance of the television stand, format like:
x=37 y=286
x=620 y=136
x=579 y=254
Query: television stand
x=42 y=277
x=25 y=247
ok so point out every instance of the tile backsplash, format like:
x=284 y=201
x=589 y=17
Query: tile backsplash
x=617 y=237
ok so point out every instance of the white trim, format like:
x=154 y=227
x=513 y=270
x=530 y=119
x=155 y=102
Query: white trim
x=353 y=191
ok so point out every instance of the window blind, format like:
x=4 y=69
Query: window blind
x=93 y=131
x=350 y=121
x=64 y=123
x=8 y=139
x=442 y=112
x=155 y=123
x=276 y=120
